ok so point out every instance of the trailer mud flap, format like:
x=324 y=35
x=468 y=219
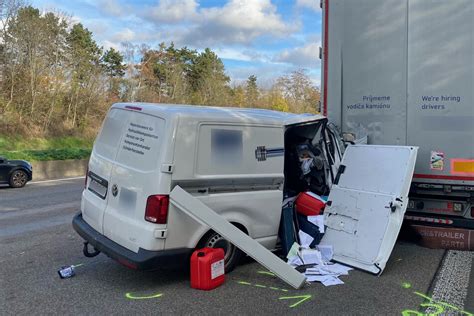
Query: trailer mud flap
x=205 y=215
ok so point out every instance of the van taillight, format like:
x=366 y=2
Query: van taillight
x=157 y=209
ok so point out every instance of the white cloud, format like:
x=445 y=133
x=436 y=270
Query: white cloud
x=306 y=56
x=172 y=11
x=234 y=54
x=310 y=4
x=236 y=22
x=111 y=7
x=125 y=35
x=239 y=21
x=108 y=44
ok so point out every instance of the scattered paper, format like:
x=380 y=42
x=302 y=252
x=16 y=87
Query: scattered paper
x=327 y=252
x=295 y=261
x=311 y=256
x=329 y=269
x=332 y=281
x=316 y=278
x=327 y=274
x=317 y=220
x=305 y=239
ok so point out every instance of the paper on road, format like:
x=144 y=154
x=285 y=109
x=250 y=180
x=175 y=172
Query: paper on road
x=326 y=252
x=311 y=256
x=332 y=281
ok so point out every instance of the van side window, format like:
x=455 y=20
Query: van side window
x=231 y=149
x=226 y=146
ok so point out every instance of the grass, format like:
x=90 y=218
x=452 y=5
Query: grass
x=41 y=149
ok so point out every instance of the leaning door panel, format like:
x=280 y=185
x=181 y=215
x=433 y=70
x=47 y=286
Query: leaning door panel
x=367 y=204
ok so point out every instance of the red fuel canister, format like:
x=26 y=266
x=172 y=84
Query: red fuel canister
x=207 y=268
x=309 y=204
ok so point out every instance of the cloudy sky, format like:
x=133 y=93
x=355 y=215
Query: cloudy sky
x=266 y=38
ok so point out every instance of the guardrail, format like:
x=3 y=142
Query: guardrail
x=57 y=169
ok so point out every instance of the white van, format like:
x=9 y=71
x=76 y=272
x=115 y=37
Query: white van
x=241 y=163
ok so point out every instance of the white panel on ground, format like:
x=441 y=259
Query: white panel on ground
x=203 y=214
x=367 y=205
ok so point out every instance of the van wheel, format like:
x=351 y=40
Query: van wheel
x=232 y=254
x=18 y=179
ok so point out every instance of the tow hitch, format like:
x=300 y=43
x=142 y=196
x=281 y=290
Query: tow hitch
x=86 y=252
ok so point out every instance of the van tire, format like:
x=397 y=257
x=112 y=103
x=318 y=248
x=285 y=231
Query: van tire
x=215 y=240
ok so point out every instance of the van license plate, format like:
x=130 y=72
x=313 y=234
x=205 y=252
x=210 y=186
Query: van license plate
x=97 y=185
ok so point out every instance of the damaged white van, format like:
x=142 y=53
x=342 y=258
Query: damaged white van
x=241 y=163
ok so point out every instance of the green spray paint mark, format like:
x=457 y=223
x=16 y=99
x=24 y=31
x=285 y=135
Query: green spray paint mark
x=439 y=307
x=262 y=286
x=266 y=273
x=133 y=297
x=78 y=265
x=406 y=285
x=301 y=297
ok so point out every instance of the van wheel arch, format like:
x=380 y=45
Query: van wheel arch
x=211 y=238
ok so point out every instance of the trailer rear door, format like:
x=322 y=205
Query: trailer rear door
x=367 y=203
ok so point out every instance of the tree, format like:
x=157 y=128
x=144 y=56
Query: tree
x=112 y=61
x=299 y=91
x=84 y=59
x=251 y=91
x=208 y=80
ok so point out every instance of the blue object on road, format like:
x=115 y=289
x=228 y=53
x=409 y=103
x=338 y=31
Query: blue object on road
x=66 y=272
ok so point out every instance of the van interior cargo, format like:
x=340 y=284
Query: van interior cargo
x=306 y=166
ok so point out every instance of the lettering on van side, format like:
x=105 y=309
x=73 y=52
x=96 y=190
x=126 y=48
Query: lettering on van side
x=135 y=138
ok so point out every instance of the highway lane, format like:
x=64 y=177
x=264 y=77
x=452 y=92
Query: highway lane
x=36 y=239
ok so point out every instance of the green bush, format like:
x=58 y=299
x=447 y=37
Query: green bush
x=50 y=154
x=15 y=143
x=41 y=149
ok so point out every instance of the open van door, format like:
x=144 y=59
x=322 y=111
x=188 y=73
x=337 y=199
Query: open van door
x=367 y=203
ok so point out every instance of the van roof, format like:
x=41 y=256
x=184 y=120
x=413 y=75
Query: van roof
x=228 y=114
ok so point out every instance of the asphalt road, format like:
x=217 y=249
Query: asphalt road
x=36 y=239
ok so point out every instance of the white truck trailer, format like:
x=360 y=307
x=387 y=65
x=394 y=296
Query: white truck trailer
x=401 y=72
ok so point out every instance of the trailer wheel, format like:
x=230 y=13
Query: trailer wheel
x=232 y=254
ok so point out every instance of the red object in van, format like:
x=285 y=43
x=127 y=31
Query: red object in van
x=207 y=268
x=309 y=204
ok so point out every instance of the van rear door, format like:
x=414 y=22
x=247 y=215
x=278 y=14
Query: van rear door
x=101 y=162
x=135 y=176
x=367 y=203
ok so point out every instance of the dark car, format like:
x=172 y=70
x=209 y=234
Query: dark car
x=15 y=172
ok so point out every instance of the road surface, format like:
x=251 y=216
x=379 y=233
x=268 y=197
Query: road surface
x=36 y=239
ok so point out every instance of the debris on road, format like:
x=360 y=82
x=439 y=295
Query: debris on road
x=66 y=272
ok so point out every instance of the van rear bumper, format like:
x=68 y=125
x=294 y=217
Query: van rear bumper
x=142 y=260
